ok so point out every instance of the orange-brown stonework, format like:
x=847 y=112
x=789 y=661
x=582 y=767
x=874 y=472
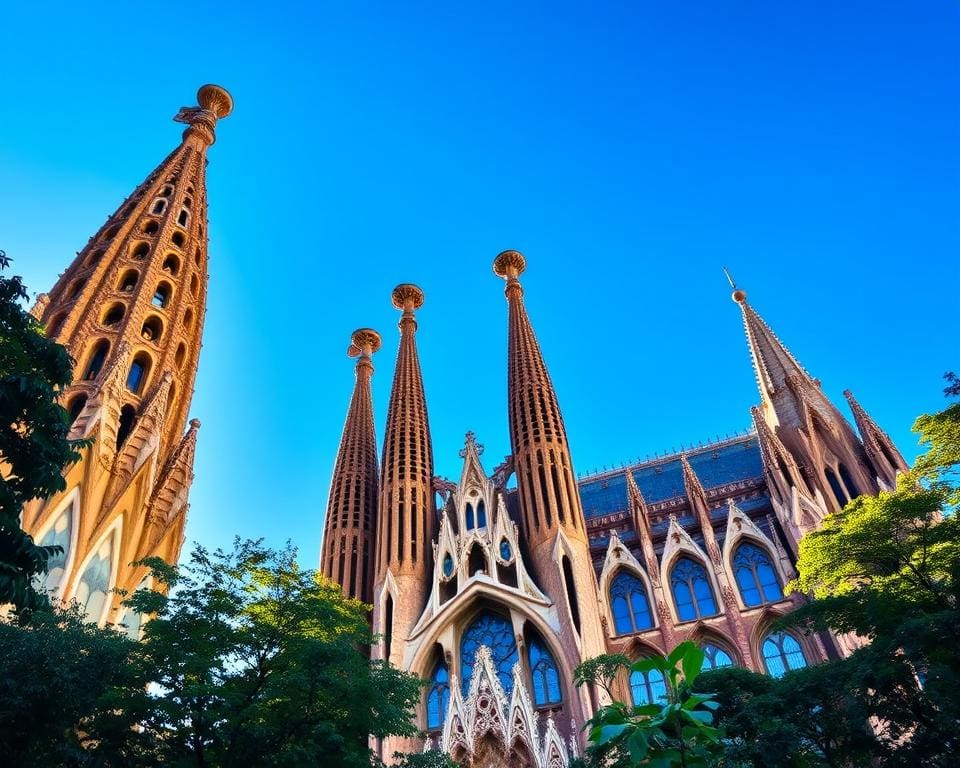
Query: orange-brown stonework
x=494 y=594
x=130 y=310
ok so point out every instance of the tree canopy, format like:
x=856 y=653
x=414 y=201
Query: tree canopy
x=33 y=436
x=249 y=660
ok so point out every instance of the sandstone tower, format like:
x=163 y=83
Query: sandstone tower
x=130 y=310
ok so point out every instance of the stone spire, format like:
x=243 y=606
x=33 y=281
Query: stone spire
x=820 y=439
x=407 y=517
x=130 y=309
x=553 y=521
x=887 y=461
x=549 y=499
x=348 y=535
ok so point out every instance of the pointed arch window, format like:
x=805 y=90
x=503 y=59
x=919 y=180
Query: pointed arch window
x=438 y=697
x=852 y=490
x=647 y=687
x=691 y=590
x=835 y=486
x=756 y=577
x=471 y=521
x=57 y=535
x=481 y=514
x=628 y=601
x=714 y=657
x=94 y=587
x=159 y=206
x=496 y=633
x=782 y=653
x=543 y=670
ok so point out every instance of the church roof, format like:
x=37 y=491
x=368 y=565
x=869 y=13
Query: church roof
x=715 y=464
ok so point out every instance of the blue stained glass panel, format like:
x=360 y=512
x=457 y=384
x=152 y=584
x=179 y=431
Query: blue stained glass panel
x=755 y=576
x=546 y=679
x=438 y=697
x=631 y=609
x=496 y=633
x=691 y=590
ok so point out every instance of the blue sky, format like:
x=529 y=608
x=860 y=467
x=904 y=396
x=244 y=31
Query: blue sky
x=629 y=150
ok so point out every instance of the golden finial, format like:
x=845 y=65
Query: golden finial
x=738 y=296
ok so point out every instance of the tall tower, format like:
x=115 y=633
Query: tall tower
x=830 y=455
x=348 y=534
x=130 y=310
x=407 y=519
x=553 y=522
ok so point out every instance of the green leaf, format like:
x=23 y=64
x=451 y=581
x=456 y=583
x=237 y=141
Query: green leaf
x=638 y=746
x=607 y=733
x=692 y=662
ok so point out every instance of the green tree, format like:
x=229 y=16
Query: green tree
x=255 y=661
x=33 y=436
x=56 y=672
x=674 y=732
x=816 y=716
x=887 y=568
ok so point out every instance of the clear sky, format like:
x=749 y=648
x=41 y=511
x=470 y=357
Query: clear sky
x=628 y=149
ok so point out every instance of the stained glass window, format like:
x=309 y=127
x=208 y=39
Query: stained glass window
x=447 y=566
x=438 y=697
x=691 y=590
x=715 y=657
x=755 y=576
x=628 y=599
x=782 y=653
x=546 y=680
x=495 y=632
x=481 y=514
x=505 y=552
x=95 y=582
x=648 y=687
x=57 y=535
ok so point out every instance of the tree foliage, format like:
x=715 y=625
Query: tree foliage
x=249 y=661
x=674 y=732
x=886 y=569
x=33 y=436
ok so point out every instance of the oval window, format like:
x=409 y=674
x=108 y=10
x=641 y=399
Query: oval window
x=505 y=551
x=448 y=566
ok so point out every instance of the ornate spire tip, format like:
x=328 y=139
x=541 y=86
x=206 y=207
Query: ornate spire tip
x=738 y=295
x=407 y=296
x=215 y=98
x=364 y=340
x=509 y=264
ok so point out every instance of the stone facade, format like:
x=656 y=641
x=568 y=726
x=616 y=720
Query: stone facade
x=494 y=592
x=130 y=310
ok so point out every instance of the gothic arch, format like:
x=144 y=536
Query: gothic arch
x=114 y=535
x=680 y=545
x=620 y=558
x=763 y=627
x=462 y=612
x=742 y=530
x=703 y=634
x=72 y=501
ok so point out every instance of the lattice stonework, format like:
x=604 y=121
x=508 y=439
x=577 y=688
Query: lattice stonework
x=349 y=528
x=130 y=309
